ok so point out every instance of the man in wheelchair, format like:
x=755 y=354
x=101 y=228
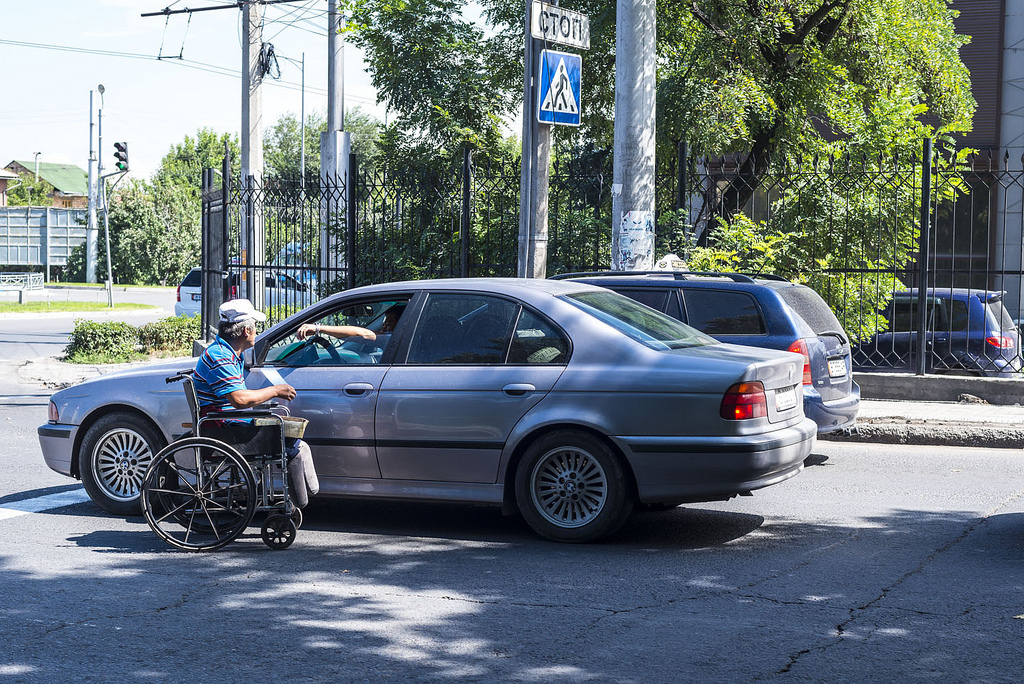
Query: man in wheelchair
x=220 y=386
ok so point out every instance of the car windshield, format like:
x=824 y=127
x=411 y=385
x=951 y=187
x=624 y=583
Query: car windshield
x=641 y=323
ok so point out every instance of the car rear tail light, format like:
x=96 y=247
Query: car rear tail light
x=800 y=347
x=179 y=293
x=1000 y=341
x=743 y=401
x=52 y=414
x=233 y=292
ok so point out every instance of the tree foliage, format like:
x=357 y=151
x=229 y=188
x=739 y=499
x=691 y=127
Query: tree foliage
x=30 y=192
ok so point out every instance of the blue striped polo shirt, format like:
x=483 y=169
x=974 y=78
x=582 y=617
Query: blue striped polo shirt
x=218 y=373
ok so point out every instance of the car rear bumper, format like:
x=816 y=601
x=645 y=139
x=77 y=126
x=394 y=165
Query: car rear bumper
x=680 y=469
x=57 y=444
x=832 y=416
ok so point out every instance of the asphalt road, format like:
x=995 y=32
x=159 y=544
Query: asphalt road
x=877 y=563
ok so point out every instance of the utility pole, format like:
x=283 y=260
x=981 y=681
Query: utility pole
x=335 y=149
x=633 y=142
x=533 y=180
x=102 y=187
x=252 y=234
x=91 y=230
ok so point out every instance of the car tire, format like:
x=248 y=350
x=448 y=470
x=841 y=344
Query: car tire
x=570 y=487
x=112 y=461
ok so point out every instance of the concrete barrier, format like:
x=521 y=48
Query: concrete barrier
x=908 y=387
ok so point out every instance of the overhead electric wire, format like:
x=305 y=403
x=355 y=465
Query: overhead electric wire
x=191 y=64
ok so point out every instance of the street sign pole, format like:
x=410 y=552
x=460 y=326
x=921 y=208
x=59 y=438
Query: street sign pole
x=533 y=181
x=551 y=95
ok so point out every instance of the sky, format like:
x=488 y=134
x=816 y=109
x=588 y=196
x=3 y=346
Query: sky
x=51 y=57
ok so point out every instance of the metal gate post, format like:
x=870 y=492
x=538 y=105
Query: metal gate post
x=350 y=221
x=465 y=227
x=682 y=160
x=924 y=242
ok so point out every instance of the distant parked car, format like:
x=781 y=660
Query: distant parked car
x=970 y=332
x=566 y=401
x=280 y=289
x=765 y=311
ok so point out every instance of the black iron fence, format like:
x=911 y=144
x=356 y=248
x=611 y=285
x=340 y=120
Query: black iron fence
x=863 y=232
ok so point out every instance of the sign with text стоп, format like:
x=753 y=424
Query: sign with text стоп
x=557 y=25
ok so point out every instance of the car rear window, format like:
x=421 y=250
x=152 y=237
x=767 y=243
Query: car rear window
x=1000 y=314
x=641 y=323
x=722 y=312
x=811 y=307
x=192 y=279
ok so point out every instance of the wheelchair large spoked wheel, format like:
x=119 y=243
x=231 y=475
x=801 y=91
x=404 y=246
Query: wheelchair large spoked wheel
x=198 y=494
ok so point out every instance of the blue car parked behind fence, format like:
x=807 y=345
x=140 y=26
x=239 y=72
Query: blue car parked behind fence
x=970 y=332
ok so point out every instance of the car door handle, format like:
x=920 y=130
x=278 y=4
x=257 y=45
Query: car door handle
x=356 y=389
x=518 y=389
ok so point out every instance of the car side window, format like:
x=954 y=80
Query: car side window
x=457 y=328
x=904 y=315
x=661 y=299
x=537 y=341
x=381 y=317
x=958 y=318
x=721 y=312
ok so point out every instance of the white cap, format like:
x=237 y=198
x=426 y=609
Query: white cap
x=238 y=310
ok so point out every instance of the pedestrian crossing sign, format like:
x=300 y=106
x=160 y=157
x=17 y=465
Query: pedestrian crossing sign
x=559 y=78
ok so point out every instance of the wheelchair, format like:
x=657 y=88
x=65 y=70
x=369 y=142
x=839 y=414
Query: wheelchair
x=202 y=491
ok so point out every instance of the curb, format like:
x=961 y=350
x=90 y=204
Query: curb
x=924 y=434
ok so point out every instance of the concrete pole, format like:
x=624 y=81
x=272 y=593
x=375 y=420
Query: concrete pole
x=252 y=234
x=91 y=233
x=335 y=146
x=633 y=143
x=533 y=179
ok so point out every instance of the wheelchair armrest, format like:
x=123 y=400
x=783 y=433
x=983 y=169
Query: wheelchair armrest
x=239 y=413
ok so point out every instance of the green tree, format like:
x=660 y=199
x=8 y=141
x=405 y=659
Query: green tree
x=176 y=190
x=282 y=142
x=31 y=192
x=773 y=79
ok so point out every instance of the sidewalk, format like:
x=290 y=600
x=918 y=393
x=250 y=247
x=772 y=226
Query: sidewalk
x=938 y=423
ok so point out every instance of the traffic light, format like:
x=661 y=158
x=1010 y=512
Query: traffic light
x=121 y=155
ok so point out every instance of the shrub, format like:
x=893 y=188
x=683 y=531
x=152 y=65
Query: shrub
x=111 y=339
x=172 y=334
x=118 y=342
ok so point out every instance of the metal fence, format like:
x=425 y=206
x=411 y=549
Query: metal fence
x=862 y=232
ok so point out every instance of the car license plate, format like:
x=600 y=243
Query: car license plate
x=836 y=368
x=197 y=297
x=785 y=398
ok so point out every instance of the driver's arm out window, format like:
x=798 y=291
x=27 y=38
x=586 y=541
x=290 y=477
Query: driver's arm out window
x=381 y=317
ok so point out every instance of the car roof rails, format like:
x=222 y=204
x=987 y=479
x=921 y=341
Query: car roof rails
x=677 y=275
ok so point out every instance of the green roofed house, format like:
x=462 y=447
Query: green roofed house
x=71 y=183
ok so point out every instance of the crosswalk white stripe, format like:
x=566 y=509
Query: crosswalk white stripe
x=42 y=503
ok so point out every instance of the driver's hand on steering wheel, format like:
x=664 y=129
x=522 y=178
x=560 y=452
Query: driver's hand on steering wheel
x=306 y=330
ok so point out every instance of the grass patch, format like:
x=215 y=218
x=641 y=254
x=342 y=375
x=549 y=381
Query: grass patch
x=97 y=358
x=73 y=307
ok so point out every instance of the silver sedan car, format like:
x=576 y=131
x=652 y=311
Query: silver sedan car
x=564 y=401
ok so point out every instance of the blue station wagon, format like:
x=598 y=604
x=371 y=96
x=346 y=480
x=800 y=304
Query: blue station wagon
x=765 y=311
x=970 y=332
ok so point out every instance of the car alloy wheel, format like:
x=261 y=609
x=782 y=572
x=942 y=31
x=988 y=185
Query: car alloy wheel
x=113 y=459
x=570 y=487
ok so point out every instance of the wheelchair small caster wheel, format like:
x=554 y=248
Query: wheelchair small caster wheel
x=297 y=517
x=279 y=531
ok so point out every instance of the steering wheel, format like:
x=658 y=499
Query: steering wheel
x=326 y=344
